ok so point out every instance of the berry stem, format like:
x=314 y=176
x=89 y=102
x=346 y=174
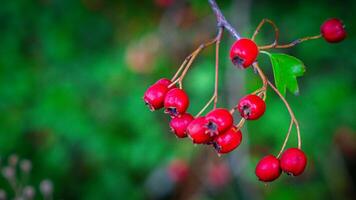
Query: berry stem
x=286 y=139
x=275 y=44
x=240 y=124
x=276 y=31
x=181 y=68
x=188 y=62
x=262 y=91
x=218 y=39
x=292 y=44
x=290 y=112
x=206 y=106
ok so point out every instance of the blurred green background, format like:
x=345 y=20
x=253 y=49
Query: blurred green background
x=73 y=73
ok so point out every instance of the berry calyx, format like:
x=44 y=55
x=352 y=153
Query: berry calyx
x=268 y=169
x=176 y=102
x=179 y=124
x=243 y=52
x=155 y=95
x=219 y=120
x=197 y=131
x=293 y=161
x=333 y=30
x=228 y=141
x=251 y=107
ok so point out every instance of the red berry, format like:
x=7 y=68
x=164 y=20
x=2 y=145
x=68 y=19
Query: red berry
x=268 y=169
x=293 y=161
x=251 y=107
x=155 y=95
x=219 y=120
x=228 y=141
x=179 y=124
x=178 y=170
x=333 y=30
x=243 y=52
x=198 y=131
x=176 y=102
x=164 y=81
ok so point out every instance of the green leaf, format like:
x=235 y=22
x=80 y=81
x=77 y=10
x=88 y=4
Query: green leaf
x=286 y=69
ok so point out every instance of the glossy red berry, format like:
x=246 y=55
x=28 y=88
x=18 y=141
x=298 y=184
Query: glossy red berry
x=155 y=95
x=219 y=120
x=179 y=124
x=268 y=169
x=228 y=141
x=164 y=81
x=293 y=161
x=198 y=131
x=333 y=30
x=176 y=102
x=251 y=107
x=243 y=52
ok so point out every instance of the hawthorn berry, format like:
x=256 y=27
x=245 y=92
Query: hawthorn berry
x=176 y=102
x=228 y=141
x=198 y=131
x=243 y=52
x=268 y=169
x=219 y=120
x=155 y=95
x=164 y=81
x=251 y=107
x=333 y=30
x=293 y=161
x=179 y=124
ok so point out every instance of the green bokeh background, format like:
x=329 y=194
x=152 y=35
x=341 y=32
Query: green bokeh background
x=73 y=73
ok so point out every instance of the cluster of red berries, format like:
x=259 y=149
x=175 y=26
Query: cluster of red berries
x=216 y=127
x=292 y=162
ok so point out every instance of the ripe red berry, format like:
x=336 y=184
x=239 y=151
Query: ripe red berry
x=243 y=52
x=155 y=95
x=268 y=169
x=251 y=107
x=293 y=161
x=333 y=30
x=198 y=131
x=219 y=120
x=164 y=81
x=176 y=102
x=179 y=124
x=228 y=141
